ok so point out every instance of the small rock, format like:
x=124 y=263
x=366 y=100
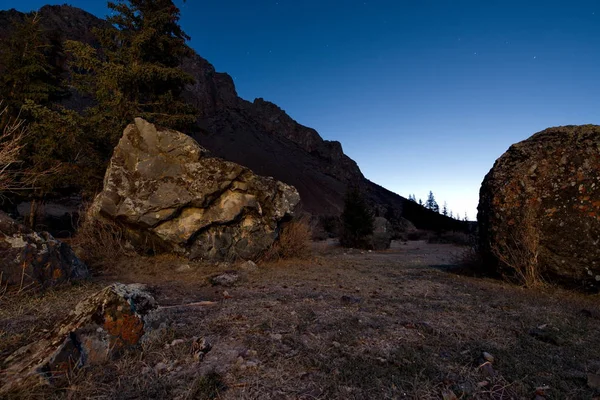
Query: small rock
x=276 y=336
x=177 y=342
x=487 y=369
x=448 y=394
x=593 y=381
x=487 y=357
x=350 y=299
x=249 y=266
x=336 y=344
x=183 y=268
x=200 y=347
x=160 y=367
x=226 y=295
x=228 y=278
x=546 y=336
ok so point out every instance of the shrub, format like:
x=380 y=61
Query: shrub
x=518 y=253
x=294 y=241
x=98 y=242
x=12 y=136
x=417 y=235
x=357 y=221
x=453 y=237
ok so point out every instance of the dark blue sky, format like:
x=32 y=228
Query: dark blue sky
x=424 y=95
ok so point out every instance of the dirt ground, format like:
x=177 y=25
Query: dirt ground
x=345 y=324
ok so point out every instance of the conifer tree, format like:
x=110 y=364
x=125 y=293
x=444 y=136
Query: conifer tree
x=135 y=72
x=357 y=220
x=25 y=70
x=445 y=209
x=431 y=203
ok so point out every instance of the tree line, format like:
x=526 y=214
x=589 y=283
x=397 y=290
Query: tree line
x=77 y=98
x=431 y=204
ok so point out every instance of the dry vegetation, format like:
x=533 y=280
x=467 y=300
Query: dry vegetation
x=345 y=324
x=520 y=251
x=294 y=241
x=12 y=136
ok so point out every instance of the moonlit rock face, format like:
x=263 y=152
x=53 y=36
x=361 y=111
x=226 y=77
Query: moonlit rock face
x=551 y=183
x=167 y=191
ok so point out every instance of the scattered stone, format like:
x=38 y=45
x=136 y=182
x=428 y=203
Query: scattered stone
x=199 y=348
x=177 y=342
x=99 y=328
x=276 y=336
x=546 y=187
x=228 y=278
x=336 y=344
x=487 y=369
x=593 y=381
x=29 y=259
x=350 y=299
x=547 y=336
x=161 y=367
x=249 y=266
x=448 y=394
x=487 y=357
x=183 y=268
x=167 y=192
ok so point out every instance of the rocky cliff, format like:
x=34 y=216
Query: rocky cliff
x=261 y=136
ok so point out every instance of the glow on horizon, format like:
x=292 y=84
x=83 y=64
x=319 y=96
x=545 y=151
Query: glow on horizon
x=422 y=95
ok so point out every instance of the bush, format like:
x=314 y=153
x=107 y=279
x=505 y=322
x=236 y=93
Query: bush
x=417 y=235
x=357 y=221
x=99 y=242
x=294 y=241
x=326 y=227
x=518 y=253
x=453 y=237
x=12 y=136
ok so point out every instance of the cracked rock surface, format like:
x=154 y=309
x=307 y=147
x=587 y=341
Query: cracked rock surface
x=169 y=193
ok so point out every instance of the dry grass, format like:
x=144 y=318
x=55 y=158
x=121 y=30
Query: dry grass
x=99 y=242
x=294 y=242
x=12 y=136
x=520 y=251
x=343 y=325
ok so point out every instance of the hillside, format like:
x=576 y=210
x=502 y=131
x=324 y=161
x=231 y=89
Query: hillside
x=260 y=135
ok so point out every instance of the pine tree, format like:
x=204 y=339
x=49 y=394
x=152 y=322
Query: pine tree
x=431 y=203
x=445 y=209
x=135 y=72
x=25 y=70
x=357 y=220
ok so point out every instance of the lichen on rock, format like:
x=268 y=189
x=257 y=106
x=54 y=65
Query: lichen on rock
x=168 y=193
x=100 y=328
x=547 y=186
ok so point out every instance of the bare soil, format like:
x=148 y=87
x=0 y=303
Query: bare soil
x=344 y=324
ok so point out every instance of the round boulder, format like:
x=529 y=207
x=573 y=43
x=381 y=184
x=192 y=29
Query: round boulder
x=539 y=207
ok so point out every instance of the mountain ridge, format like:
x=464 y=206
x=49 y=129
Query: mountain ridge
x=260 y=135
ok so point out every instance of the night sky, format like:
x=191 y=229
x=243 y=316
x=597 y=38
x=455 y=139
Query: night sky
x=424 y=95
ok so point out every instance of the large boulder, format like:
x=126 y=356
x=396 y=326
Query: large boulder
x=167 y=192
x=29 y=258
x=540 y=206
x=381 y=238
x=100 y=327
